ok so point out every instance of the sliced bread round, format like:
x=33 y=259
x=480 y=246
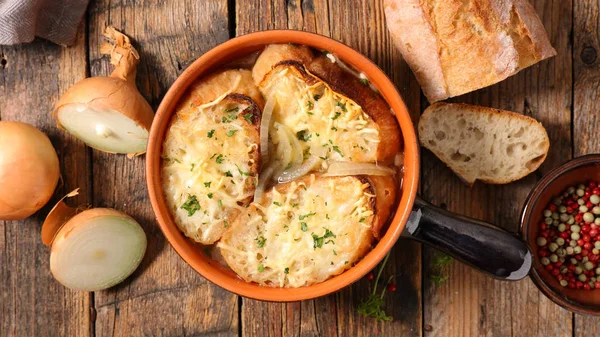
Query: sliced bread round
x=479 y=143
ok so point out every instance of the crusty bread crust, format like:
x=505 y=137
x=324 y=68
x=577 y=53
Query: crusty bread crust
x=439 y=114
x=310 y=65
x=455 y=47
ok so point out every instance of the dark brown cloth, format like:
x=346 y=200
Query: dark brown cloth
x=55 y=20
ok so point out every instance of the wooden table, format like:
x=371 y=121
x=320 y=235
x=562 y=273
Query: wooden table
x=165 y=297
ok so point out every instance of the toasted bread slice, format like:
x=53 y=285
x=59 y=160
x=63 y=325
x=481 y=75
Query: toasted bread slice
x=308 y=230
x=327 y=109
x=211 y=159
x=478 y=143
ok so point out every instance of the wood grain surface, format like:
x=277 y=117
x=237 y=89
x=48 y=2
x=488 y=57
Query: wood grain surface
x=31 y=78
x=336 y=314
x=586 y=121
x=470 y=303
x=165 y=297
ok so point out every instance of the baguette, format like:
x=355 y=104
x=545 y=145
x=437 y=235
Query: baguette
x=478 y=143
x=307 y=230
x=211 y=154
x=336 y=116
x=455 y=47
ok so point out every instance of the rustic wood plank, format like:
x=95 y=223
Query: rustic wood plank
x=470 y=303
x=586 y=123
x=164 y=296
x=32 y=77
x=359 y=24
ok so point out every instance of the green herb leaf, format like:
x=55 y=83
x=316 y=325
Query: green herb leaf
x=209 y=195
x=220 y=159
x=361 y=220
x=210 y=133
x=303 y=135
x=342 y=106
x=303 y=226
x=248 y=117
x=261 y=268
x=230 y=133
x=191 y=205
x=286 y=271
x=228 y=174
x=316 y=97
x=207 y=184
x=364 y=81
x=277 y=203
x=333 y=128
x=304 y=216
x=371 y=307
x=309 y=105
x=260 y=241
x=438 y=279
x=318 y=241
x=247 y=174
x=337 y=114
x=236 y=109
x=192 y=169
x=220 y=203
x=337 y=149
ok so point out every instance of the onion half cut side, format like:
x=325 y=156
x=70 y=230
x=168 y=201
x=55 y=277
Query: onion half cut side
x=97 y=249
x=103 y=128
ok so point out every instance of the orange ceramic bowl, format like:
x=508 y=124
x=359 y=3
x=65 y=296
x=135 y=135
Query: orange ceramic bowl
x=214 y=59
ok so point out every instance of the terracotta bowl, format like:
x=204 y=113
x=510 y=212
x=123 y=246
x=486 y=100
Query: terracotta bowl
x=577 y=171
x=225 y=53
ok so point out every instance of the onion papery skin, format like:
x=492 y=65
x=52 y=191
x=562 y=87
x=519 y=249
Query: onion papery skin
x=29 y=170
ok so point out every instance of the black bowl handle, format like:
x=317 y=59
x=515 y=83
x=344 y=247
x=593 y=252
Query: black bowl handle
x=477 y=243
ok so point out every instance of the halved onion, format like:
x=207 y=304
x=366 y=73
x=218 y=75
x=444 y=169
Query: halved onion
x=298 y=171
x=94 y=249
x=350 y=169
x=109 y=113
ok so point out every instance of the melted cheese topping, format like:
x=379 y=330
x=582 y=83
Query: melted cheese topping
x=302 y=233
x=206 y=169
x=315 y=120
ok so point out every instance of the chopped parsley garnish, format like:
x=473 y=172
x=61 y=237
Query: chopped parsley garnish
x=286 y=271
x=192 y=167
x=228 y=174
x=207 y=184
x=309 y=105
x=248 y=117
x=247 y=174
x=337 y=149
x=342 y=106
x=333 y=128
x=303 y=226
x=319 y=241
x=327 y=216
x=277 y=203
x=225 y=120
x=361 y=220
x=191 y=205
x=220 y=203
x=260 y=241
x=337 y=114
x=177 y=160
x=310 y=113
x=236 y=109
x=219 y=159
x=230 y=133
x=214 y=154
x=364 y=81
x=225 y=223
x=210 y=133
x=316 y=97
x=261 y=268
x=304 y=216
x=306 y=153
x=295 y=204
x=167 y=159
x=303 y=135
x=209 y=195
x=324 y=158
